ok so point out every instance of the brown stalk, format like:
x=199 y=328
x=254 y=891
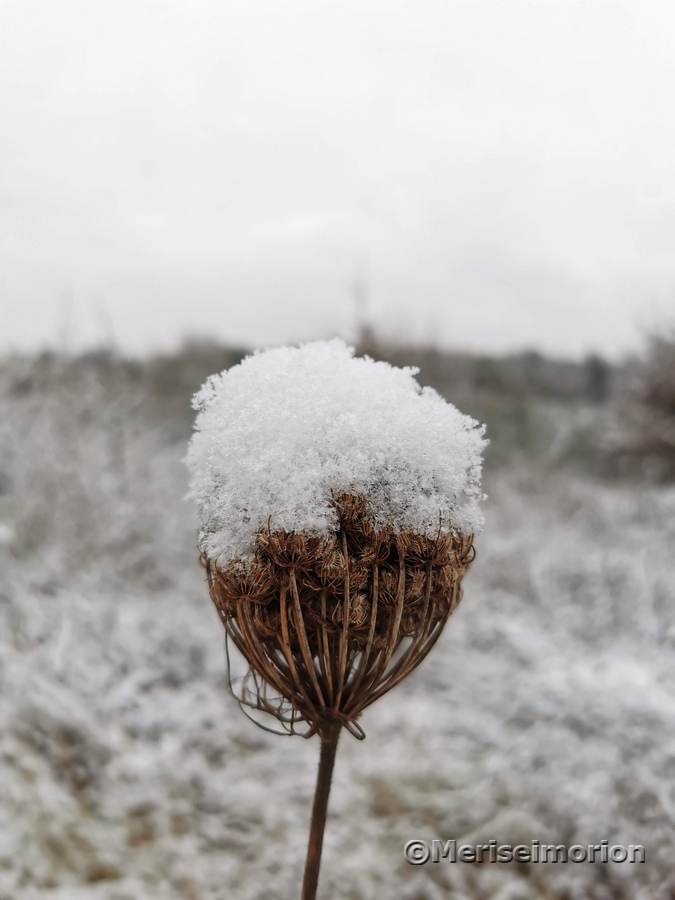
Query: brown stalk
x=329 y=742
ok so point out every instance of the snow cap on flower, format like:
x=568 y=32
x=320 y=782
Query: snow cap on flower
x=283 y=433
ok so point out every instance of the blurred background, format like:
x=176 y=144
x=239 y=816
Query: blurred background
x=483 y=190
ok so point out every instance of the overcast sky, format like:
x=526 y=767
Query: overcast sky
x=500 y=173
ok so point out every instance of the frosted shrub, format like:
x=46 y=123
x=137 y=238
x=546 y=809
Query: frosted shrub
x=648 y=414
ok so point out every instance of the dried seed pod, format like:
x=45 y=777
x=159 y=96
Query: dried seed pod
x=352 y=512
x=382 y=544
x=388 y=586
x=332 y=569
x=359 y=611
x=289 y=550
x=358 y=576
x=417 y=549
x=254 y=583
x=415 y=586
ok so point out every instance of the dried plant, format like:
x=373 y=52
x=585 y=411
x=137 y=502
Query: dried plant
x=347 y=588
x=329 y=625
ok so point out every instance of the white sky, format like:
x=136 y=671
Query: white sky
x=501 y=172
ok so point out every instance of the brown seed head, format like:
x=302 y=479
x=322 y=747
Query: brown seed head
x=320 y=620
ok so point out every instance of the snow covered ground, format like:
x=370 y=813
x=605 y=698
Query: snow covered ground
x=127 y=772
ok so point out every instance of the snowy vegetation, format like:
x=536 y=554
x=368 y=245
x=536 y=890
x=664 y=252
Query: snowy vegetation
x=547 y=711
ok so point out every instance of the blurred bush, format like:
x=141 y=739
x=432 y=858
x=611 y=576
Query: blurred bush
x=535 y=408
x=91 y=444
x=85 y=471
x=645 y=438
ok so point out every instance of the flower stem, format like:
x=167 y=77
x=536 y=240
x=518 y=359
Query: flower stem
x=329 y=742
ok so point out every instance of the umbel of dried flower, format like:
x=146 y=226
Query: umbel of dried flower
x=329 y=624
x=338 y=503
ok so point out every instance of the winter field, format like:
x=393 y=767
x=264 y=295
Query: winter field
x=127 y=771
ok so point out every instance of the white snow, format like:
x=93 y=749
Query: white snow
x=127 y=771
x=280 y=434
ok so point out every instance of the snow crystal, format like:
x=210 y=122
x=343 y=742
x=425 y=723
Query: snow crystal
x=279 y=435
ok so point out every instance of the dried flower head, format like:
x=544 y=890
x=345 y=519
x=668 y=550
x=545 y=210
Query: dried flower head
x=326 y=635
x=338 y=502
